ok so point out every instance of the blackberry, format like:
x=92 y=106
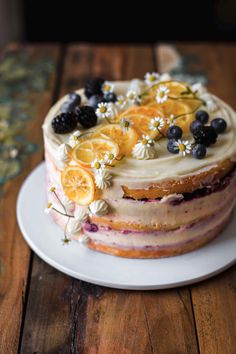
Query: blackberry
x=64 y=123
x=206 y=136
x=93 y=87
x=86 y=116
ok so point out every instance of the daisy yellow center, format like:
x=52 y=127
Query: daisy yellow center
x=107 y=88
x=97 y=165
x=152 y=78
x=49 y=205
x=103 y=109
x=52 y=189
x=182 y=147
x=111 y=156
x=144 y=141
x=161 y=94
x=156 y=124
x=125 y=124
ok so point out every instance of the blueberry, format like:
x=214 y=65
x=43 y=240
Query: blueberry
x=206 y=136
x=95 y=100
x=219 y=124
x=110 y=97
x=86 y=116
x=171 y=146
x=71 y=103
x=195 y=126
x=202 y=116
x=174 y=132
x=199 y=151
x=75 y=98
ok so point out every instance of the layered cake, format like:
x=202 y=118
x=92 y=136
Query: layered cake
x=141 y=168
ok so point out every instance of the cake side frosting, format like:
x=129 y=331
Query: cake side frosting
x=155 y=200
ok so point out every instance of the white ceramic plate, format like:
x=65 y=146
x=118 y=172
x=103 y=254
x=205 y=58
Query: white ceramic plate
x=45 y=239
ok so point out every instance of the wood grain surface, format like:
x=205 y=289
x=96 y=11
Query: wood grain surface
x=44 y=311
x=14 y=253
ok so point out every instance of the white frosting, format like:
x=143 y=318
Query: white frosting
x=81 y=214
x=73 y=140
x=140 y=173
x=98 y=208
x=144 y=152
x=103 y=179
x=63 y=153
x=74 y=226
x=68 y=204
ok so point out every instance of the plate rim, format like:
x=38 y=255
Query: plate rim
x=96 y=280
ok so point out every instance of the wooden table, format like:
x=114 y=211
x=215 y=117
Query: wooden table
x=44 y=311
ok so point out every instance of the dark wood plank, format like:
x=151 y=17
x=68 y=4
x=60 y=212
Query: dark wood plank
x=93 y=319
x=214 y=300
x=27 y=78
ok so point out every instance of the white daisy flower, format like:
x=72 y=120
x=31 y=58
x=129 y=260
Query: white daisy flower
x=151 y=78
x=132 y=96
x=98 y=165
x=74 y=138
x=156 y=123
x=144 y=149
x=184 y=147
x=103 y=179
x=107 y=87
x=104 y=110
x=49 y=208
x=121 y=102
x=109 y=158
x=125 y=124
x=162 y=94
x=171 y=120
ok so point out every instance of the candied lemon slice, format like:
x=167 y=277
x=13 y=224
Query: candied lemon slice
x=177 y=89
x=183 y=109
x=88 y=150
x=77 y=184
x=125 y=139
x=141 y=117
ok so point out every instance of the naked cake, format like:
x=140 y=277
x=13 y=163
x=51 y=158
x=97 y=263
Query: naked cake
x=141 y=168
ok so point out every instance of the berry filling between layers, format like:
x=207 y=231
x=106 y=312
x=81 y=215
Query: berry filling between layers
x=220 y=185
x=160 y=239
